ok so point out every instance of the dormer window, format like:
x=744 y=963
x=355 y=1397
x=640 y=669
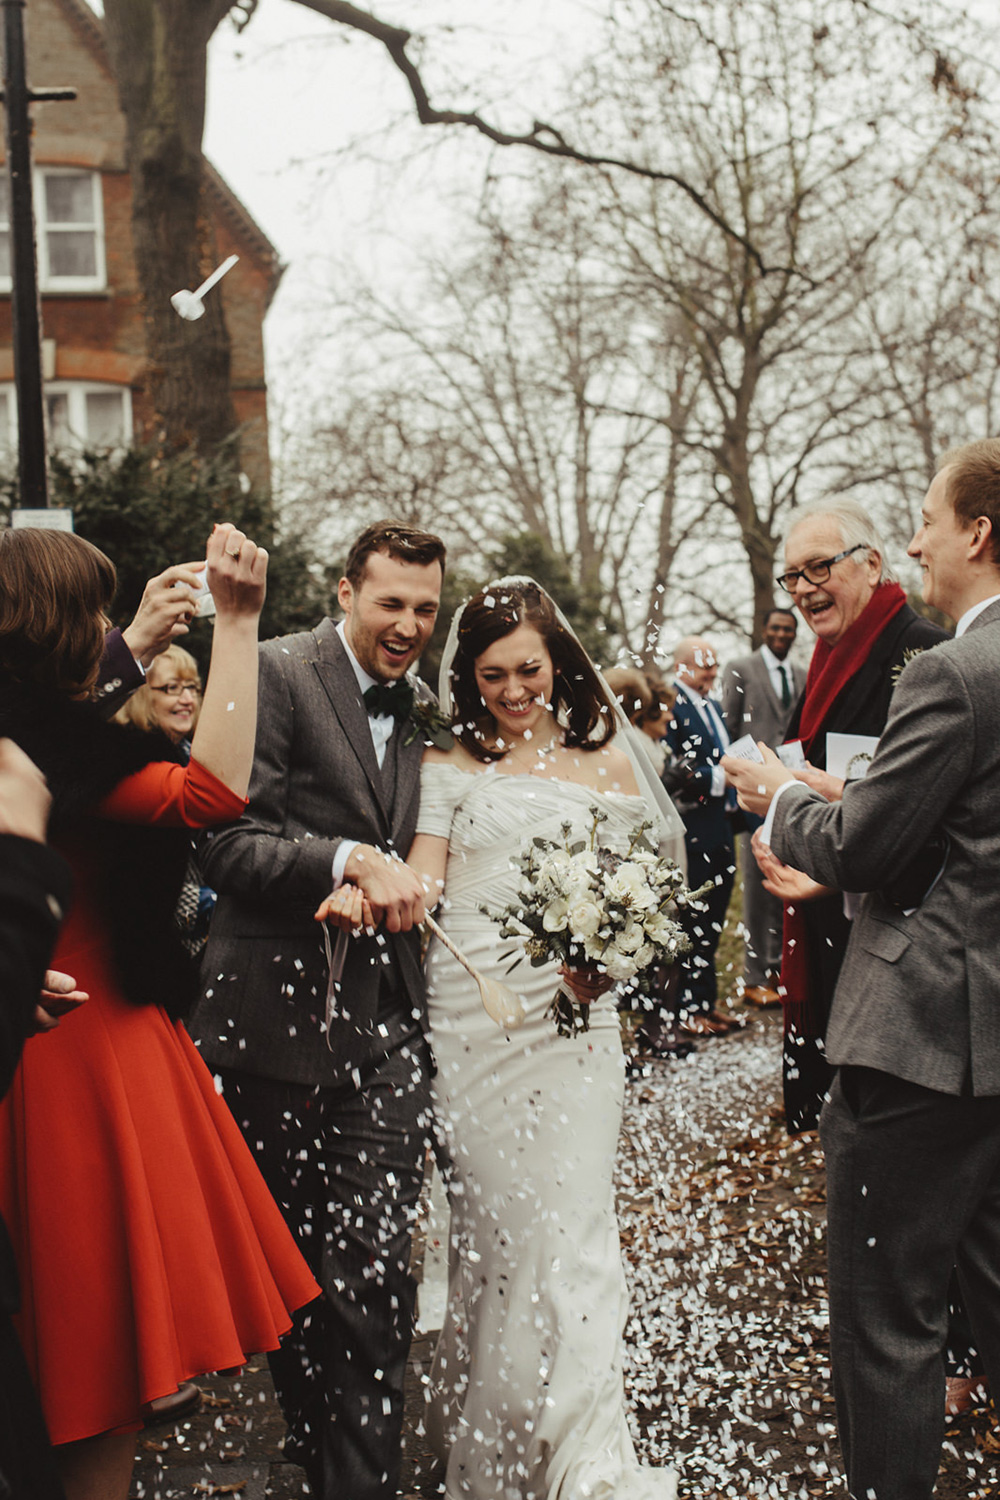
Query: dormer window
x=69 y=226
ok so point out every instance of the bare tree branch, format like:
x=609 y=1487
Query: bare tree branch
x=543 y=137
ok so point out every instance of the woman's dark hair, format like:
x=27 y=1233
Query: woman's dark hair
x=54 y=587
x=396 y=539
x=578 y=701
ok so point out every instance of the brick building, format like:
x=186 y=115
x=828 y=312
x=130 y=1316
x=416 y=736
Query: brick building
x=94 y=353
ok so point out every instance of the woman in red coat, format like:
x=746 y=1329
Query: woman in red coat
x=148 y=1248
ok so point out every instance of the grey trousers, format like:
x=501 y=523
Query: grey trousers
x=913 y=1189
x=763 y=915
x=345 y=1167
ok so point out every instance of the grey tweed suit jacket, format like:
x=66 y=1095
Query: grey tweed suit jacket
x=315 y=782
x=749 y=703
x=919 y=995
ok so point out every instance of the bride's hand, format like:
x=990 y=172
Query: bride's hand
x=588 y=985
x=346 y=908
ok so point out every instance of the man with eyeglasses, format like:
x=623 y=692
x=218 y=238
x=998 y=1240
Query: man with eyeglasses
x=837 y=578
x=911 y=1130
x=759 y=694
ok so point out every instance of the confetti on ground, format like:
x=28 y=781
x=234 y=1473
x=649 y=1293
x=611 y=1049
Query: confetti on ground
x=723 y=1221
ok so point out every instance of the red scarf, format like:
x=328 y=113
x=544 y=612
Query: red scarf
x=830 y=669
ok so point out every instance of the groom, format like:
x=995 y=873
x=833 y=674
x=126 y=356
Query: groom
x=911 y=1128
x=334 y=1107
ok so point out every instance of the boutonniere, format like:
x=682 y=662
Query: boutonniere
x=427 y=722
x=908 y=655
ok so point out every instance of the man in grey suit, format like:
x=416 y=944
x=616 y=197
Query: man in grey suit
x=331 y=1089
x=911 y=1129
x=758 y=695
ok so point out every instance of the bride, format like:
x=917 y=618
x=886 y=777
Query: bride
x=527 y=1386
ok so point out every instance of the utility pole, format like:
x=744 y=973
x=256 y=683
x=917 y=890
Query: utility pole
x=25 y=308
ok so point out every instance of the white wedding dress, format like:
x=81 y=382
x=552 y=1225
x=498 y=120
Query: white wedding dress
x=527 y=1388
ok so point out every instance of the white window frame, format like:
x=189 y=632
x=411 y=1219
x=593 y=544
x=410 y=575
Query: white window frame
x=46 y=281
x=76 y=392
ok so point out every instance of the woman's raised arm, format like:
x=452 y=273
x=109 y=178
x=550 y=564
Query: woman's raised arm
x=237 y=578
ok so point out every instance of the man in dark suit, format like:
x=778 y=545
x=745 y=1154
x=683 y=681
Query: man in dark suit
x=758 y=694
x=911 y=1130
x=331 y=1089
x=34 y=889
x=699 y=739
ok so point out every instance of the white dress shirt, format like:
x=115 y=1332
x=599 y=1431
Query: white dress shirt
x=713 y=722
x=973 y=614
x=778 y=671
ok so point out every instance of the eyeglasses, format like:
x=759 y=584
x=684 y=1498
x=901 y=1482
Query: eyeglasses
x=819 y=571
x=174 y=689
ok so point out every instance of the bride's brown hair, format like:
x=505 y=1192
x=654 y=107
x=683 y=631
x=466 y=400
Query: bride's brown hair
x=579 y=703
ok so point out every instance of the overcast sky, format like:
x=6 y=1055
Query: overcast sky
x=298 y=114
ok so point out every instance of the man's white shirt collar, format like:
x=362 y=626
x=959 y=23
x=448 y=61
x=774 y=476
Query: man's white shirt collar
x=973 y=614
x=365 y=679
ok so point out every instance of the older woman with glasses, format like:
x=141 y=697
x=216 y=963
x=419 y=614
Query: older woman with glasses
x=170 y=698
x=169 y=703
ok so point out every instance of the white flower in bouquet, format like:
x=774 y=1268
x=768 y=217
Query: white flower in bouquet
x=630 y=885
x=630 y=939
x=585 y=918
x=583 y=905
x=556 y=915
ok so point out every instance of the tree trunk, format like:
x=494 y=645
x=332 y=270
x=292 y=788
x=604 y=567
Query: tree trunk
x=159 y=53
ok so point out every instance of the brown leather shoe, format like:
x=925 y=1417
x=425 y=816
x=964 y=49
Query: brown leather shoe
x=702 y=1025
x=762 y=997
x=964 y=1394
x=183 y=1402
x=727 y=1020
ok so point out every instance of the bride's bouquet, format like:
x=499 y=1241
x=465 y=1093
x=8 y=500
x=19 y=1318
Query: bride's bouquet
x=589 y=907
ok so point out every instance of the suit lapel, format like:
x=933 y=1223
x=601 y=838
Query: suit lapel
x=336 y=674
x=408 y=758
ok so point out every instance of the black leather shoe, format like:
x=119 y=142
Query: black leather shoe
x=668 y=1044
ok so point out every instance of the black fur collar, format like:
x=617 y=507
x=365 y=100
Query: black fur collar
x=141 y=868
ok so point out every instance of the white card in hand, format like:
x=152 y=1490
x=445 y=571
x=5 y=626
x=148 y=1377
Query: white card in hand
x=745 y=748
x=792 y=755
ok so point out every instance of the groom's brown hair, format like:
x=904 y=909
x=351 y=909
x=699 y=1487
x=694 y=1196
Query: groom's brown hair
x=395 y=539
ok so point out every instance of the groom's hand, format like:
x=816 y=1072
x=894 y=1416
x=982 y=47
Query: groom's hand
x=394 y=892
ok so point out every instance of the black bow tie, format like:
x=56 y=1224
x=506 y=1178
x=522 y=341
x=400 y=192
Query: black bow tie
x=389 y=698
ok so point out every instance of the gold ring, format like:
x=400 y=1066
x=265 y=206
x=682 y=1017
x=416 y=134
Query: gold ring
x=231 y=553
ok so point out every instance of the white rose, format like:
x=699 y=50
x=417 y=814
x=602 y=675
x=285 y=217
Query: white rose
x=644 y=956
x=578 y=885
x=630 y=938
x=584 y=919
x=618 y=965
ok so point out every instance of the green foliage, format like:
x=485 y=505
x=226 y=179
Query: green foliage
x=147 y=510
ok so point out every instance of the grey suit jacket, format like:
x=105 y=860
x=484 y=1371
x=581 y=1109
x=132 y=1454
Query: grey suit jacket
x=919 y=995
x=316 y=781
x=749 y=703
